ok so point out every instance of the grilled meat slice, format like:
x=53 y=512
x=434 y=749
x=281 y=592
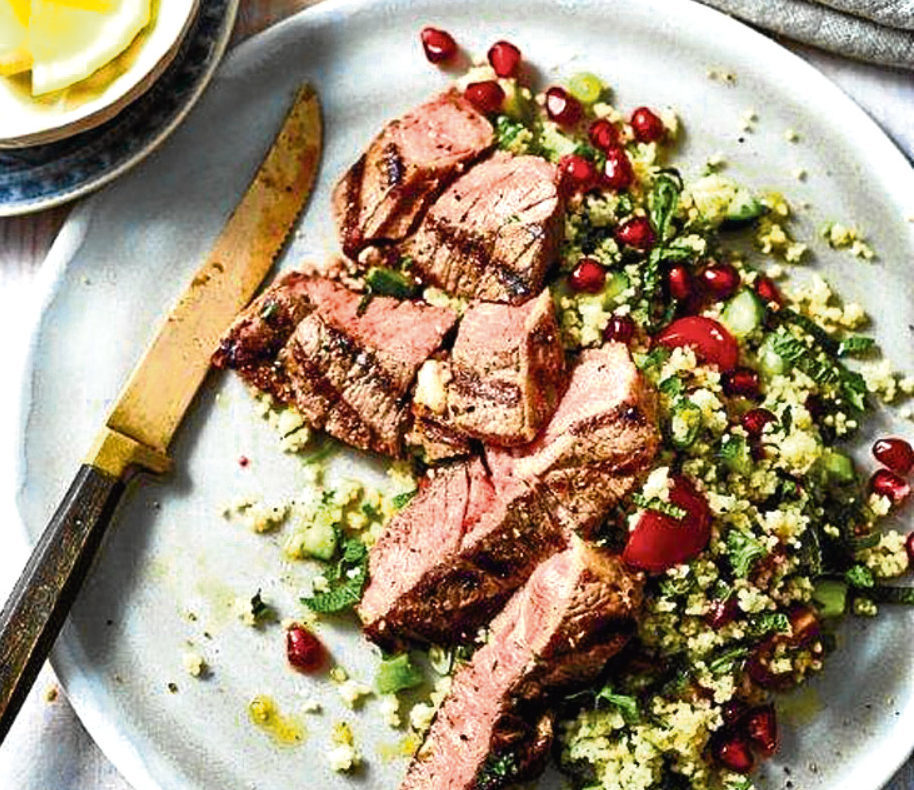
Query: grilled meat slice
x=406 y=166
x=350 y=369
x=494 y=232
x=507 y=371
x=557 y=632
x=254 y=339
x=450 y=559
x=600 y=439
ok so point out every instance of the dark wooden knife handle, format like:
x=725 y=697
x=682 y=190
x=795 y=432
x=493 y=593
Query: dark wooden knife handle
x=41 y=599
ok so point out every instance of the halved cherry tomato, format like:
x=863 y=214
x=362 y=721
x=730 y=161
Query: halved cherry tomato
x=710 y=340
x=660 y=541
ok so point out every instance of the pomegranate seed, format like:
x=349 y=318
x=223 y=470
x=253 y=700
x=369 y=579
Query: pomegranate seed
x=722 y=613
x=505 y=58
x=733 y=752
x=814 y=406
x=721 y=281
x=742 y=382
x=562 y=107
x=439 y=45
x=733 y=711
x=755 y=420
x=768 y=292
x=303 y=649
x=603 y=134
x=761 y=726
x=896 y=454
x=587 y=276
x=617 y=171
x=888 y=484
x=679 y=282
x=621 y=328
x=243 y=461
x=636 y=232
x=578 y=174
x=909 y=547
x=646 y=125
x=485 y=96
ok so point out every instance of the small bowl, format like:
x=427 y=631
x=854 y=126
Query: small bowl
x=26 y=120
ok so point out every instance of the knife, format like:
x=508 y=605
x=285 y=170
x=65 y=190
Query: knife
x=150 y=408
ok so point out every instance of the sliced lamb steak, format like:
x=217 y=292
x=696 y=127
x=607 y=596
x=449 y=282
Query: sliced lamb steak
x=254 y=339
x=576 y=611
x=449 y=560
x=507 y=371
x=406 y=166
x=600 y=439
x=494 y=232
x=350 y=369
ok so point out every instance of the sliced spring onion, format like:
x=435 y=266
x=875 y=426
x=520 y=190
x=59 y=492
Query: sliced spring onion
x=585 y=87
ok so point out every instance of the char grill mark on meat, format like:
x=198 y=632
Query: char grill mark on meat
x=557 y=632
x=602 y=437
x=508 y=370
x=251 y=344
x=494 y=232
x=350 y=370
x=412 y=159
x=501 y=384
x=450 y=559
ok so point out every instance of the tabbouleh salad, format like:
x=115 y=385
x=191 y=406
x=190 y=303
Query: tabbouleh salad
x=761 y=385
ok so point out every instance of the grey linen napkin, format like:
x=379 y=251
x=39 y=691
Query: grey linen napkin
x=878 y=31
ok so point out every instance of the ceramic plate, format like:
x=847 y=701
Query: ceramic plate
x=37 y=177
x=126 y=254
x=27 y=120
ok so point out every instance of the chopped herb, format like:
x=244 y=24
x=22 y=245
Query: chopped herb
x=371 y=512
x=401 y=500
x=882 y=594
x=347 y=580
x=769 y=623
x=624 y=703
x=860 y=577
x=818 y=365
x=787 y=419
x=727 y=660
x=743 y=550
x=509 y=135
x=497 y=771
x=652 y=359
x=325 y=448
x=735 y=454
x=861 y=542
x=660 y=506
x=855 y=345
x=260 y=610
x=671 y=386
x=739 y=784
x=382 y=281
x=811 y=328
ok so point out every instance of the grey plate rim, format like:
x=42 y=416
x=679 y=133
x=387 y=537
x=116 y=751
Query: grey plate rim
x=113 y=743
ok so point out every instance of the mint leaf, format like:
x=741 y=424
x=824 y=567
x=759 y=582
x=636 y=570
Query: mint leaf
x=743 y=550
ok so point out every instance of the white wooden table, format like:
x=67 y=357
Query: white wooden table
x=48 y=749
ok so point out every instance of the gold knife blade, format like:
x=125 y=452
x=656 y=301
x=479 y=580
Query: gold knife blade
x=160 y=389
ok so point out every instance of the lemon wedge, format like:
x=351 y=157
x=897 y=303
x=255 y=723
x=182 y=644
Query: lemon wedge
x=14 y=53
x=71 y=39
